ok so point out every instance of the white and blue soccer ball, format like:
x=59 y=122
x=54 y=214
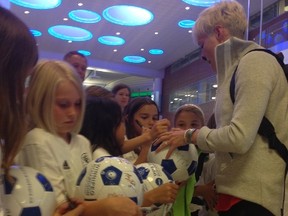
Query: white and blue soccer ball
x=27 y=192
x=153 y=175
x=110 y=177
x=182 y=163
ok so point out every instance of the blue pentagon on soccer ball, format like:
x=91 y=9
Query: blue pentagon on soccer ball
x=9 y=185
x=29 y=211
x=135 y=170
x=192 y=168
x=183 y=148
x=144 y=172
x=111 y=176
x=154 y=147
x=44 y=182
x=169 y=165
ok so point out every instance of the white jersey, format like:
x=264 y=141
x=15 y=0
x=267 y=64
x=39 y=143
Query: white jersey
x=59 y=161
x=100 y=152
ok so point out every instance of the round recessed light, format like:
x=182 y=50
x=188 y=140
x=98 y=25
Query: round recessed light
x=37 y=4
x=156 y=51
x=201 y=3
x=128 y=15
x=36 y=33
x=134 y=59
x=111 y=40
x=84 y=16
x=186 y=23
x=72 y=33
x=84 y=52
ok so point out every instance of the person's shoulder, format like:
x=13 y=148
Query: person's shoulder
x=100 y=152
x=78 y=138
x=37 y=135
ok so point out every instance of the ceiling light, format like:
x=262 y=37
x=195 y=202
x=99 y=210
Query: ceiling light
x=111 y=40
x=26 y=12
x=186 y=23
x=36 y=33
x=187 y=8
x=115 y=50
x=72 y=33
x=118 y=33
x=156 y=33
x=128 y=15
x=156 y=51
x=142 y=49
x=134 y=59
x=80 y=4
x=201 y=3
x=84 y=52
x=37 y=4
x=84 y=16
x=65 y=19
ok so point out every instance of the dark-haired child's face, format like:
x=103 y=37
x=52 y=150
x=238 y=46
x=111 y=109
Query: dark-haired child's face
x=187 y=119
x=147 y=115
x=122 y=97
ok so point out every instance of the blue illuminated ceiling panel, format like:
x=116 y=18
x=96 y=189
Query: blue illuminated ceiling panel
x=85 y=52
x=156 y=51
x=201 y=3
x=128 y=15
x=37 y=4
x=84 y=16
x=111 y=40
x=186 y=23
x=70 y=33
x=36 y=33
x=134 y=59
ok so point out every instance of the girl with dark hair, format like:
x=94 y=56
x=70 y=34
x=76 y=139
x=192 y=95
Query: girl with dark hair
x=102 y=126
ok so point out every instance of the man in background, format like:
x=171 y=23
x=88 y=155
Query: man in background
x=78 y=61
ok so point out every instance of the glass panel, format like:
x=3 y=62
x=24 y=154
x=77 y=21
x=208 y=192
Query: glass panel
x=197 y=93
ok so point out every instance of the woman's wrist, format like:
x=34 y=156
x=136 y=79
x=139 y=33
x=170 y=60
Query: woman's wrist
x=188 y=135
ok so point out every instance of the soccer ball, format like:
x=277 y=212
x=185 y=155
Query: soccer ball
x=181 y=164
x=109 y=177
x=153 y=175
x=28 y=193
